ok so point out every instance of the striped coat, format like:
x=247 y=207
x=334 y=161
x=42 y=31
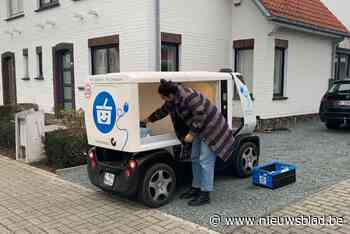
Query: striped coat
x=202 y=118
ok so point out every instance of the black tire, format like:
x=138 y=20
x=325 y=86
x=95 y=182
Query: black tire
x=147 y=193
x=246 y=159
x=333 y=124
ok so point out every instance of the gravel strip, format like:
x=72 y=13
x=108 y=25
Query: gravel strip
x=322 y=158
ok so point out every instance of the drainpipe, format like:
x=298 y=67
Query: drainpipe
x=158 y=35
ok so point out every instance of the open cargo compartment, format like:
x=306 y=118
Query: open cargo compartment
x=162 y=132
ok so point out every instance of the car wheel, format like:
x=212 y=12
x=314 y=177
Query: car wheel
x=157 y=186
x=333 y=124
x=246 y=159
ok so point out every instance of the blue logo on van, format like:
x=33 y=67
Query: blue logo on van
x=104 y=112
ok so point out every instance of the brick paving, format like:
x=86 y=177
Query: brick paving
x=333 y=201
x=35 y=201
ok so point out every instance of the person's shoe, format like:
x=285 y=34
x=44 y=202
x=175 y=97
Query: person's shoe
x=191 y=193
x=202 y=199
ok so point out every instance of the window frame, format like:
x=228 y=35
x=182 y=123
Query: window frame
x=25 y=64
x=282 y=45
x=44 y=6
x=239 y=45
x=337 y=59
x=283 y=71
x=177 y=67
x=236 y=51
x=10 y=13
x=99 y=47
x=171 y=39
x=39 y=62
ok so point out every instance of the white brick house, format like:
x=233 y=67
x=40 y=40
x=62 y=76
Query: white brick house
x=37 y=36
x=342 y=60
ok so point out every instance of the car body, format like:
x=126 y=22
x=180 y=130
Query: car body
x=122 y=161
x=335 y=105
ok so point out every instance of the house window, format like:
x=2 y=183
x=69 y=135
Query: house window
x=279 y=71
x=170 y=57
x=25 y=65
x=342 y=66
x=47 y=3
x=39 y=57
x=15 y=7
x=244 y=61
x=170 y=52
x=278 y=82
x=105 y=59
x=105 y=56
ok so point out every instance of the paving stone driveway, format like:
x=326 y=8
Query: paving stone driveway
x=35 y=201
x=333 y=201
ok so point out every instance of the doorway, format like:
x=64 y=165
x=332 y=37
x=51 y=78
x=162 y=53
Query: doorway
x=64 y=87
x=9 y=78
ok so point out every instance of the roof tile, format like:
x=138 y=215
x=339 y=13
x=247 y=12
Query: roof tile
x=312 y=12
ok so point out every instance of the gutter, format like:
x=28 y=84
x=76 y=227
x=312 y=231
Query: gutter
x=308 y=26
x=158 y=35
x=262 y=8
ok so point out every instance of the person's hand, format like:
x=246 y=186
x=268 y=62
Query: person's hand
x=188 y=138
x=144 y=123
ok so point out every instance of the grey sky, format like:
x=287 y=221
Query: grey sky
x=341 y=8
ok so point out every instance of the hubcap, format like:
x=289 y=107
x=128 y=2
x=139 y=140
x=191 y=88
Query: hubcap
x=160 y=185
x=249 y=158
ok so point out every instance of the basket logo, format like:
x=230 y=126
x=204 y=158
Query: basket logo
x=104 y=112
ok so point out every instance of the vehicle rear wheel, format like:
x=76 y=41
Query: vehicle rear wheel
x=246 y=159
x=157 y=186
x=333 y=124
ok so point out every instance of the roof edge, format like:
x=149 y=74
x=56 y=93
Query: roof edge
x=308 y=26
x=262 y=8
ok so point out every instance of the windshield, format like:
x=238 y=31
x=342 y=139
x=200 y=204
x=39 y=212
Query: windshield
x=341 y=88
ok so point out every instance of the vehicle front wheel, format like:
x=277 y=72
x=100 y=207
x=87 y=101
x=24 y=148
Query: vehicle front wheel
x=246 y=159
x=158 y=185
x=333 y=124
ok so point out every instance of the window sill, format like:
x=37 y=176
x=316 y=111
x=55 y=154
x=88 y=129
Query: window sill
x=15 y=17
x=25 y=78
x=47 y=7
x=279 y=98
x=39 y=78
x=238 y=99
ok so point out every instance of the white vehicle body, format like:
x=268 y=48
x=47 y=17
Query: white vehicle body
x=118 y=102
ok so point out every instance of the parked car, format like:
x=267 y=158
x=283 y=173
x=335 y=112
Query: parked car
x=335 y=105
x=129 y=161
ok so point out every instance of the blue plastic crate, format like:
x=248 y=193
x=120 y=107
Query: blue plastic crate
x=274 y=175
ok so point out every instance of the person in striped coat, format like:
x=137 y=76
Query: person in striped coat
x=208 y=131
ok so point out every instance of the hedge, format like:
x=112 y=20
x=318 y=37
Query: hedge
x=66 y=147
x=7 y=124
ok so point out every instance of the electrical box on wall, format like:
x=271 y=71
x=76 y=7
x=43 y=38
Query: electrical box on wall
x=29 y=135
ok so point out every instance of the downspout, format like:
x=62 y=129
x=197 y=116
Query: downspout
x=158 y=35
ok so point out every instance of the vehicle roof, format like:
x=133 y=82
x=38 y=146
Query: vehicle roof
x=155 y=77
x=342 y=81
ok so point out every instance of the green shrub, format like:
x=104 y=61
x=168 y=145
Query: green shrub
x=7 y=124
x=8 y=112
x=73 y=119
x=7 y=135
x=66 y=148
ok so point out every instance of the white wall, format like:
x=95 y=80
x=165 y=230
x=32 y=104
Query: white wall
x=308 y=64
x=205 y=26
x=133 y=20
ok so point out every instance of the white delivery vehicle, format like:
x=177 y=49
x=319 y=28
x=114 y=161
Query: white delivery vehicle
x=129 y=159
